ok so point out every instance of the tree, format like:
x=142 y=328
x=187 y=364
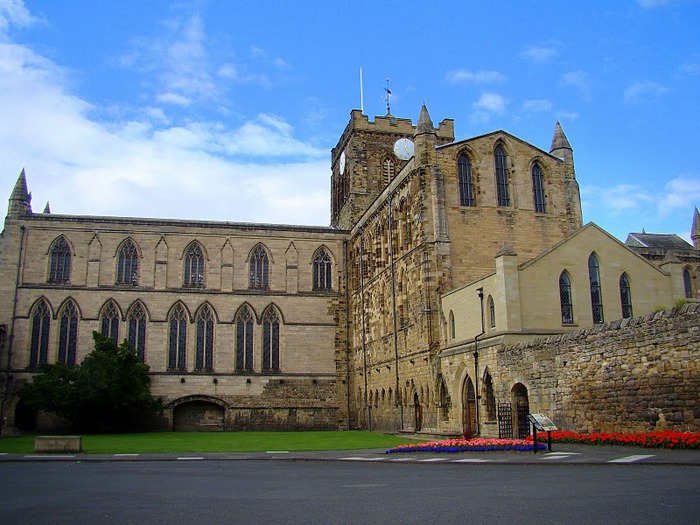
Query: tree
x=107 y=392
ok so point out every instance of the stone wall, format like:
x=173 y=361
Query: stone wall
x=631 y=375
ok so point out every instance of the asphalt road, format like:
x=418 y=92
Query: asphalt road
x=312 y=492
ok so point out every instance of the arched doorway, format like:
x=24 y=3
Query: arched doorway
x=198 y=415
x=468 y=409
x=418 y=413
x=521 y=403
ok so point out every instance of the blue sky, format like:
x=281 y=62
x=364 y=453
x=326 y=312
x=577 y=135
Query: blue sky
x=228 y=110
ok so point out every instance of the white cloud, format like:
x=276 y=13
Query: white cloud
x=679 y=194
x=463 y=76
x=14 y=13
x=537 y=105
x=254 y=171
x=566 y=115
x=579 y=81
x=540 y=54
x=492 y=102
x=644 y=91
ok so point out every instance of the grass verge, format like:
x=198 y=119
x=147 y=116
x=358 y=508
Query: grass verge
x=163 y=442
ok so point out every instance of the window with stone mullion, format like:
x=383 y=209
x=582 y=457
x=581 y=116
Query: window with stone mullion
x=204 y=359
x=177 y=343
x=39 y=346
x=59 y=271
x=68 y=336
x=127 y=264
x=567 y=307
x=466 y=187
x=271 y=342
x=137 y=331
x=502 y=177
x=538 y=189
x=625 y=296
x=596 y=292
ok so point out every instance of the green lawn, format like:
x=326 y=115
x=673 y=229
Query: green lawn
x=217 y=442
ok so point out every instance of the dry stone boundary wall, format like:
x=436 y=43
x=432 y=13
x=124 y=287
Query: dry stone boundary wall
x=630 y=375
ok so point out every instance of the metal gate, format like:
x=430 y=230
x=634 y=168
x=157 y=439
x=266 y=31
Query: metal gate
x=505 y=421
x=522 y=410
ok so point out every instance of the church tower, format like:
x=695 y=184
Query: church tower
x=367 y=157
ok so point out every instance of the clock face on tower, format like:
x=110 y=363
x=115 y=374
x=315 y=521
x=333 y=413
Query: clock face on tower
x=342 y=162
x=403 y=148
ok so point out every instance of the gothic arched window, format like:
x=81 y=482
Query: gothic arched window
x=501 y=176
x=68 y=334
x=538 y=188
x=128 y=264
x=194 y=267
x=492 y=312
x=259 y=269
x=204 y=359
x=452 y=325
x=177 y=340
x=59 y=270
x=687 y=283
x=596 y=293
x=137 y=330
x=39 y=346
x=625 y=296
x=244 y=340
x=567 y=306
x=109 y=321
x=322 y=270
x=466 y=186
x=271 y=341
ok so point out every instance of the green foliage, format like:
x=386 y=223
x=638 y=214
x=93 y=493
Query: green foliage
x=681 y=302
x=107 y=392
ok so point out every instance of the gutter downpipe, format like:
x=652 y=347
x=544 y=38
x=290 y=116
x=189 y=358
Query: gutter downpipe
x=364 y=340
x=480 y=292
x=10 y=339
x=393 y=304
x=347 y=331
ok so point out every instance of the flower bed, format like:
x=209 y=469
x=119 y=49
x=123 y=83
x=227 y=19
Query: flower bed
x=665 y=439
x=471 y=445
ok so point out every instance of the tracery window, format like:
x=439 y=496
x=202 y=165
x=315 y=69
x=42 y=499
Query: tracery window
x=59 y=270
x=39 y=345
x=137 y=330
x=177 y=340
x=128 y=264
x=625 y=296
x=271 y=341
x=596 y=294
x=389 y=170
x=194 y=267
x=259 y=269
x=244 y=340
x=110 y=322
x=322 y=270
x=502 y=176
x=466 y=186
x=68 y=334
x=687 y=283
x=204 y=359
x=538 y=188
x=565 y=299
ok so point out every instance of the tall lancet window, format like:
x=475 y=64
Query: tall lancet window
x=596 y=293
x=271 y=341
x=244 y=340
x=68 y=334
x=177 y=340
x=41 y=322
x=538 y=188
x=259 y=269
x=128 y=264
x=502 y=176
x=322 y=271
x=567 y=305
x=625 y=296
x=194 y=267
x=137 y=330
x=466 y=185
x=110 y=322
x=59 y=270
x=204 y=359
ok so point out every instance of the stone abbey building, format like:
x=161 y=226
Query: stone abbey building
x=452 y=293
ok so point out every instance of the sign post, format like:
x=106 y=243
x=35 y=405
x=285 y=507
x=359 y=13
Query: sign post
x=543 y=424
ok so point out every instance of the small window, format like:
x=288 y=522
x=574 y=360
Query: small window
x=687 y=283
x=567 y=306
x=625 y=296
x=110 y=322
x=596 y=293
x=322 y=271
x=59 y=271
x=389 y=170
x=502 y=176
x=137 y=330
x=271 y=341
x=204 y=359
x=41 y=323
x=194 y=267
x=128 y=264
x=177 y=339
x=492 y=312
x=538 y=188
x=452 y=325
x=68 y=334
x=259 y=269
x=466 y=185
x=244 y=340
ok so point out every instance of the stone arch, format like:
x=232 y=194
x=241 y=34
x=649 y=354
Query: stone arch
x=188 y=314
x=520 y=402
x=198 y=413
x=136 y=245
x=469 y=412
x=488 y=396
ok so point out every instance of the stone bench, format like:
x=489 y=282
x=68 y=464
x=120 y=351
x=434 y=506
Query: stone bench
x=62 y=444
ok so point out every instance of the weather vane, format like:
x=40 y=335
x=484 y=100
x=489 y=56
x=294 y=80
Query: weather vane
x=388 y=98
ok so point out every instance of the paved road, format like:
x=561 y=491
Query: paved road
x=349 y=491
